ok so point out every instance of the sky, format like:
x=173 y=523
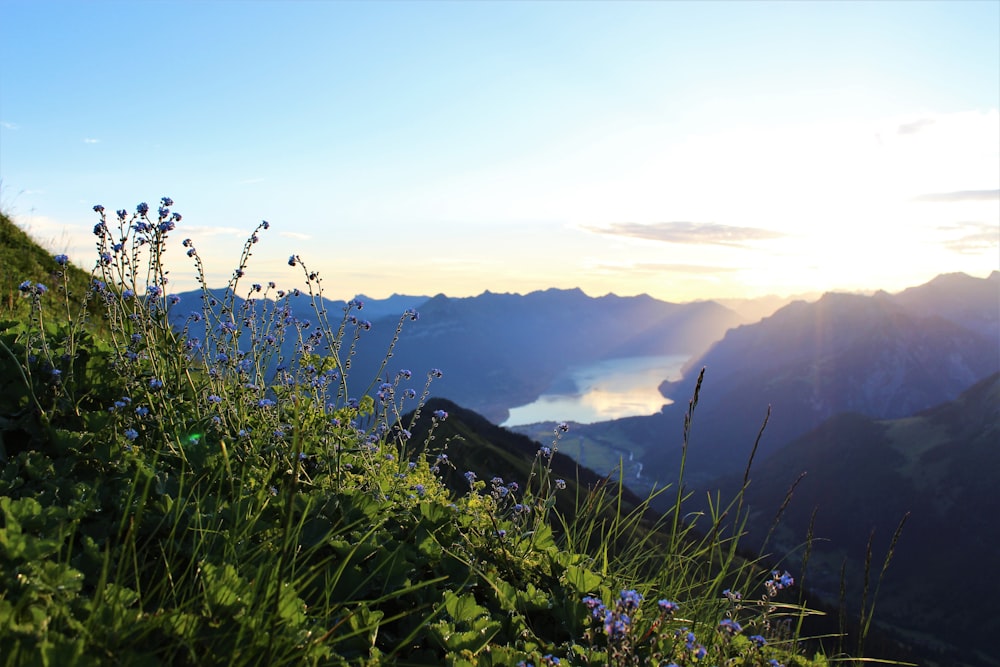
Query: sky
x=683 y=150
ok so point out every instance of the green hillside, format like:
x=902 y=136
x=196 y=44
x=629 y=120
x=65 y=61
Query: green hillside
x=165 y=501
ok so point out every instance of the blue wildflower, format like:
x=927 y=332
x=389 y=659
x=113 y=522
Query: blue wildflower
x=62 y=260
x=155 y=384
x=667 y=607
x=730 y=626
x=142 y=208
x=131 y=434
x=440 y=415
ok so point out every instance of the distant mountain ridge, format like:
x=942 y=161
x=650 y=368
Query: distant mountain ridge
x=498 y=351
x=810 y=361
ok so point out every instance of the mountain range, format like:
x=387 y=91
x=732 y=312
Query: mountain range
x=884 y=356
x=499 y=351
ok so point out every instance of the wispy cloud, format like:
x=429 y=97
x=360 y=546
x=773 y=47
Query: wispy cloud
x=915 y=126
x=970 y=238
x=217 y=231
x=91 y=140
x=8 y=125
x=711 y=233
x=295 y=235
x=961 y=195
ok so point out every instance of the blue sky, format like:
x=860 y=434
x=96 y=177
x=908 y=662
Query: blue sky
x=685 y=150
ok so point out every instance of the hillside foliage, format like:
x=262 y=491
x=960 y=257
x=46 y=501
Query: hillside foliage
x=164 y=499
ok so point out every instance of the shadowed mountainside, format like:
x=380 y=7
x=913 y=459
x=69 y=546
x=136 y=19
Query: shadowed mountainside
x=863 y=475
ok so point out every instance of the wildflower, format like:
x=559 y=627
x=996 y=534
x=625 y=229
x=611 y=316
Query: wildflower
x=410 y=393
x=405 y=434
x=440 y=415
x=560 y=484
x=153 y=291
x=413 y=315
x=105 y=258
x=404 y=374
x=436 y=373
x=774 y=663
x=213 y=399
x=62 y=260
x=142 y=209
x=141 y=411
x=630 y=599
x=128 y=294
x=730 y=626
x=501 y=533
x=667 y=607
x=100 y=228
x=291 y=260
x=470 y=477
x=155 y=384
x=166 y=201
x=757 y=640
x=40 y=289
x=25 y=286
x=174 y=299
x=782 y=580
x=56 y=373
x=265 y=403
x=131 y=434
x=562 y=427
x=98 y=209
x=545 y=452
x=419 y=488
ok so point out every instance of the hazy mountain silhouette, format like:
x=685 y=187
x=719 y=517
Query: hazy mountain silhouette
x=810 y=361
x=498 y=351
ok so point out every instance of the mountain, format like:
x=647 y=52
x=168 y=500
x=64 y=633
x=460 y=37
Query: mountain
x=966 y=301
x=809 y=362
x=864 y=474
x=498 y=351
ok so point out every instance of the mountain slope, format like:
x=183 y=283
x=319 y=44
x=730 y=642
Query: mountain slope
x=844 y=353
x=864 y=475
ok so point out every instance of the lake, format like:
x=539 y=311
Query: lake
x=609 y=389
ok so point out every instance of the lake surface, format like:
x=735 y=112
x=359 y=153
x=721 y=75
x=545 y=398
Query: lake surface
x=602 y=391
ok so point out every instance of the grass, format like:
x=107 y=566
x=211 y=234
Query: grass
x=167 y=498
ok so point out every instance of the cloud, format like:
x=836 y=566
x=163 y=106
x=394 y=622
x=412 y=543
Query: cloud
x=8 y=125
x=88 y=140
x=295 y=235
x=217 y=231
x=663 y=267
x=972 y=237
x=961 y=195
x=688 y=232
x=915 y=126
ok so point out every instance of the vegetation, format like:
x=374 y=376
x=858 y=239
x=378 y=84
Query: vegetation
x=165 y=499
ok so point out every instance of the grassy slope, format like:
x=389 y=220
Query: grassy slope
x=23 y=259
